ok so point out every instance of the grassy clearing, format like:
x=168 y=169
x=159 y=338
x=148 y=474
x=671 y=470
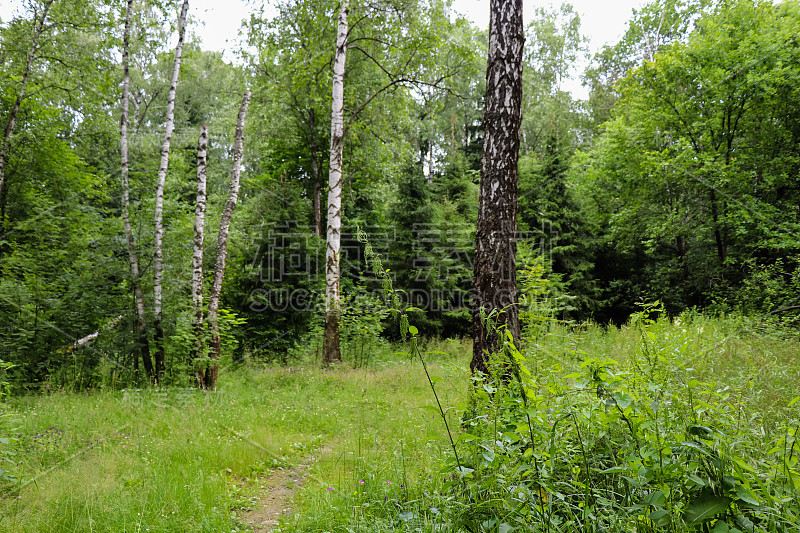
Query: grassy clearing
x=184 y=460
x=633 y=429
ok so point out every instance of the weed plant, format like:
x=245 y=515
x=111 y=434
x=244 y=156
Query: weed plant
x=659 y=426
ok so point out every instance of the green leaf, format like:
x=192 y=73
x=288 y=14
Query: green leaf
x=623 y=400
x=700 y=482
x=505 y=528
x=794 y=401
x=699 y=447
x=746 y=496
x=705 y=507
x=741 y=464
x=413 y=330
x=745 y=523
x=700 y=431
x=656 y=499
x=721 y=527
x=465 y=471
x=661 y=517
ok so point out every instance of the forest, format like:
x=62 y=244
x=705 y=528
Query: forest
x=675 y=181
x=179 y=230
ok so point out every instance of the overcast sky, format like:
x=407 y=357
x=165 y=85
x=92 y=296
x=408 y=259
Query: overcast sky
x=601 y=21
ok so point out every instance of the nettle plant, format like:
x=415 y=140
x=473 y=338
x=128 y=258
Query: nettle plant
x=643 y=446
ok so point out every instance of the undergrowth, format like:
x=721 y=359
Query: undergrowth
x=663 y=425
x=658 y=437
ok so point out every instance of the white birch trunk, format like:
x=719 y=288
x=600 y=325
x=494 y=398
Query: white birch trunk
x=210 y=379
x=199 y=238
x=140 y=333
x=38 y=28
x=92 y=336
x=333 y=298
x=159 y=209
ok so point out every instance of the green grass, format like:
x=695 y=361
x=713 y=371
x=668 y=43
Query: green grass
x=184 y=460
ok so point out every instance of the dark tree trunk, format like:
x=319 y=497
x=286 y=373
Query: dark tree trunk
x=495 y=243
x=316 y=172
x=719 y=233
x=140 y=331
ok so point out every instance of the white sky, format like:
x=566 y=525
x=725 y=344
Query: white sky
x=602 y=21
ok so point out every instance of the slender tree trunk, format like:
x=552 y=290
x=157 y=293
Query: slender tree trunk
x=333 y=297
x=140 y=333
x=212 y=371
x=495 y=244
x=719 y=237
x=159 y=210
x=316 y=172
x=197 y=256
x=38 y=29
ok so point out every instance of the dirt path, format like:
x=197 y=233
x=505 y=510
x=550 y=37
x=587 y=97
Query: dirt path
x=277 y=491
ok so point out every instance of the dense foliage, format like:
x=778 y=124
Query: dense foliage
x=676 y=180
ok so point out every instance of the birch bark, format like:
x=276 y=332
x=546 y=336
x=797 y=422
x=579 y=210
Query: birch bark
x=197 y=255
x=210 y=378
x=495 y=242
x=333 y=298
x=158 y=328
x=140 y=332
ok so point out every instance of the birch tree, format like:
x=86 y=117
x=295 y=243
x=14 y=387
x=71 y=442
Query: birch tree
x=158 y=255
x=199 y=238
x=209 y=380
x=140 y=333
x=38 y=23
x=333 y=296
x=495 y=242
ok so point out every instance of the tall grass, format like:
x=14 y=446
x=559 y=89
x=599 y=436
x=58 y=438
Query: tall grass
x=184 y=460
x=661 y=425
x=684 y=424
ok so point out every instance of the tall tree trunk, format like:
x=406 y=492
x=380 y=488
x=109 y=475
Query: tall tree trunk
x=316 y=172
x=719 y=237
x=158 y=237
x=333 y=297
x=140 y=333
x=210 y=379
x=197 y=256
x=495 y=243
x=38 y=29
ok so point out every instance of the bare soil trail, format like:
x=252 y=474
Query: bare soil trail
x=278 y=489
